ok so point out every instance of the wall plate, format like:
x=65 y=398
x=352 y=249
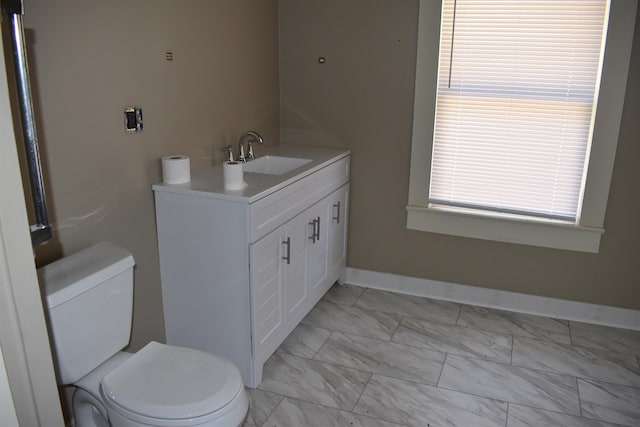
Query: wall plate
x=133 y=119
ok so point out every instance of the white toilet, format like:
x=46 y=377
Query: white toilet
x=89 y=296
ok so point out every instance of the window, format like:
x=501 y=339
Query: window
x=514 y=104
x=506 y=145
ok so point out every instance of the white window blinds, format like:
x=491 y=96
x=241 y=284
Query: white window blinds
x=515 y=101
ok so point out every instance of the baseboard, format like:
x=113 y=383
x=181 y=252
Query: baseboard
x=493 y=298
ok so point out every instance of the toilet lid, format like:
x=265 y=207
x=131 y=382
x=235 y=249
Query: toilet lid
x=170 y=382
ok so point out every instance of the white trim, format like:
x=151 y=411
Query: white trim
x=8 y=417
x=585 y=236
x=23 y=331
x=498 y=299
x=505 y=228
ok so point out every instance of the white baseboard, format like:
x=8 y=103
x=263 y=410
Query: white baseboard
x=493 y=298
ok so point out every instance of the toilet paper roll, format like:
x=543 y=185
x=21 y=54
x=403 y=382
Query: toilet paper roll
x=176 y=169
x=233 y=176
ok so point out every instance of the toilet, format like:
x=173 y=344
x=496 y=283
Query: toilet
x=89 y=301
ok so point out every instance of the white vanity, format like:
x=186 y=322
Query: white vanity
x=240 y=269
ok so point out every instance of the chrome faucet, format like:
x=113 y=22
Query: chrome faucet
x=254 y=137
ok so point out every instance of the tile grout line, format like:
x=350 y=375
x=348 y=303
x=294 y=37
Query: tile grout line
x=579 y=398
x=459 y=305
x=547 y=336
x=549 y=370
x=350 y=304
x=504 y=362
x=396 y=329
x=382 y=341
x=359 y=296
x=581 y=348
x=570 y=333
x=331 y=408
x=506 y=419
x=493 y=399
x=366 y=336
x=475 y=357
x=513 y=339
x=467 y=327
x=495 y=332
x=337 y=365
x=607 y=383
x=305 y=401
x=330 y=364
x=496 y=399
x=368 y=310
x=601 y=350
x=458 y=315
x=444 y=362
x=361 y=393
x=323 y=344
x=274 y=408
x=577 y=377
x=603 y=334
x=555 y=411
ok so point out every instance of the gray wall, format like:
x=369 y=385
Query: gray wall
x=362 y=97
x=90 y=59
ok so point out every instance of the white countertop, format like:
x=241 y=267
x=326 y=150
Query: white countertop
x=208 y=182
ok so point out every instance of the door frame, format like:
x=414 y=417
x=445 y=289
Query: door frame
x=23 y=333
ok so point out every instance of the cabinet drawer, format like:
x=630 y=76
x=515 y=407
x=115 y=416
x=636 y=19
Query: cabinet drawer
x=274 y=210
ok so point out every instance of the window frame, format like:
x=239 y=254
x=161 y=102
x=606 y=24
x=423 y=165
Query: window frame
x=585 y=234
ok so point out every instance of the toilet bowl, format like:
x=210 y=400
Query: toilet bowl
x=89 y=300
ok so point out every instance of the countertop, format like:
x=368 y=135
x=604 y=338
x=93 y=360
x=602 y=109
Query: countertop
x=208 y=182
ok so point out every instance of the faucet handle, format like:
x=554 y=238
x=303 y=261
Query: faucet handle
x=228 y=150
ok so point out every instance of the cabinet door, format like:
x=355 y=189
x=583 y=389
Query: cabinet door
x=317 y=248
x=266 y=287
x=295 y=286
x=338 y=214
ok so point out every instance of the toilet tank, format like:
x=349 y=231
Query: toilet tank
x=89 y=302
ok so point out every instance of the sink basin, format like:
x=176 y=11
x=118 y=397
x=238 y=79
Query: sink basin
x=274 y=165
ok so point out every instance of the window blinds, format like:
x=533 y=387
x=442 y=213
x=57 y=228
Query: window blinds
x=514 y=105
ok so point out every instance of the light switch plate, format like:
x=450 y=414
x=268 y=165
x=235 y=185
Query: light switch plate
x=133 y=119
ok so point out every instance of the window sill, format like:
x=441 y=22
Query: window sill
x=504 y=228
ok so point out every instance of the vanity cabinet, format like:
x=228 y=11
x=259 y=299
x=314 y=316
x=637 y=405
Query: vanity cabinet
x=240 y=271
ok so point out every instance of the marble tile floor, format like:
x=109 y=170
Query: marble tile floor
x=369 y=358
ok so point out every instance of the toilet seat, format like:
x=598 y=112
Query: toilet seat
x=163 y=382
